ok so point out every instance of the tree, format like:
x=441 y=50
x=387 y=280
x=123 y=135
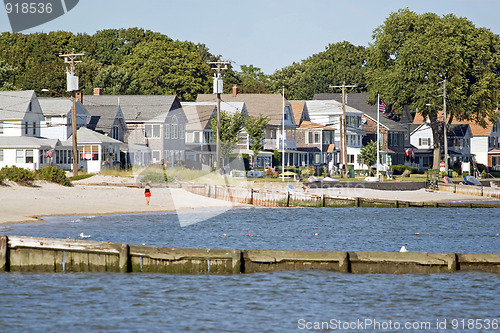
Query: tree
x=163 y=67
x=117 y=81
x=253 y=80
x=230 y=128
x=256 y=130
x=368 y=155
x=413 y=54
x=339 y=62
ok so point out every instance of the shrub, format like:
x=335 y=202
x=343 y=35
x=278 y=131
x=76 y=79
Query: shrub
x=154 y=177
x=53 y=174
x=19 y=175
x=399 y=169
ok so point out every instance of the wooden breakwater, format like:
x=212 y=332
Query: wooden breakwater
x=482 y=191
x=35 y=254
x=274 y=198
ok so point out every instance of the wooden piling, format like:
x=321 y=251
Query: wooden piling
x=4 y=254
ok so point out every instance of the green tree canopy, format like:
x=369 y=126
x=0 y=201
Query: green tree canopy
x=368 y=154
x=230 y=127
x=166 y=68
x=256 y=130
x=411 y=56
x=338 y=63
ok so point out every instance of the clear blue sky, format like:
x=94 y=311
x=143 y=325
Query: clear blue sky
x=269 y=34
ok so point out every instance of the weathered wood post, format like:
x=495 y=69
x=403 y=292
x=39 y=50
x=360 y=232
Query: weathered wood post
x=288 y=198
x=4 y=254
x=324 y=200
x=251 y=196
x=453 y=262
x=124 y=263
x=345 y=263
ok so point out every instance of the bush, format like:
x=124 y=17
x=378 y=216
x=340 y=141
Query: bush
x=19 y=175
x=399 y=169
x=53 y=174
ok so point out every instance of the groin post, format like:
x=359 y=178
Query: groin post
x=124 y=263
x=4 y=254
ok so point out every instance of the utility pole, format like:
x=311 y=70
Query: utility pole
x=445 y=129
x=218 y=90
x=343 y=126
x=72 y=85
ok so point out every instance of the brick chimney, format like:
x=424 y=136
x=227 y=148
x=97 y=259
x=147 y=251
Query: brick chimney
x=97 y=91
x=235 y=90
x=79 y=95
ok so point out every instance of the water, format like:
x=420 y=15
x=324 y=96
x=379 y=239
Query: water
x=263 y=302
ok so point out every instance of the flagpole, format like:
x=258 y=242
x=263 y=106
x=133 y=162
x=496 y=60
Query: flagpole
x=378 y=135
x=283 y=139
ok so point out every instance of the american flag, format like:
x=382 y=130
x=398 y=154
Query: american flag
x=382 y=106
x=49 y=153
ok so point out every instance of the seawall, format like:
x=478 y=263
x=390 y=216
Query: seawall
x=48 y=255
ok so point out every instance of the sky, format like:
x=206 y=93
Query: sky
x=269 y=34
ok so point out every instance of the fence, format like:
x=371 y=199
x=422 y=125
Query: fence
x=273 y=198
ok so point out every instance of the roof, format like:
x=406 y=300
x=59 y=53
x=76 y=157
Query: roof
x=55 y=106
x=26 y=142
x=102 y=117
x=476 y=129
x=298 y=108
x=269 y=105
x=359 y=101
x=306 y=124
x=86 y=135
x=136 y=108
x=13 y=104
x=329 y=107
x=198 y=115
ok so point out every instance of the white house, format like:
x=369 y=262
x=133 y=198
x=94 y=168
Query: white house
x=27 y=152
x=21 y=118
x=57 y=113
x=329 y=113
x=20 y=113
x=97 y=151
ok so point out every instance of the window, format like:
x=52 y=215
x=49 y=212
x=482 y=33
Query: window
x=114 y=132
x=34 y=128
x=196 y=137
x=317 y=158
x=152 y=131
x=148 y=131
x=29 y=107
x=156 y=156
x=182 y=131
x=29 y=156
x=208 y=137
x=19 y=156
x=1 y=127
x=317 y=137
x=90 y=153
x=1 y=155
x=156 y=131
x=424 y=141
x=25 y=127
x=167 y=131
x=350 y=159
x=174 y=128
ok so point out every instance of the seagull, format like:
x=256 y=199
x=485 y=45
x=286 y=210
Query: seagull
x=403 y=249
x=82 y=235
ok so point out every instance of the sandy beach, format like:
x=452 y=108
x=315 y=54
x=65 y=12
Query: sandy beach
x=28 y=204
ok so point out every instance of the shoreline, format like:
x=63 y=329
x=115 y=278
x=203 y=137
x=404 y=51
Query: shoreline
x=118 y=195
